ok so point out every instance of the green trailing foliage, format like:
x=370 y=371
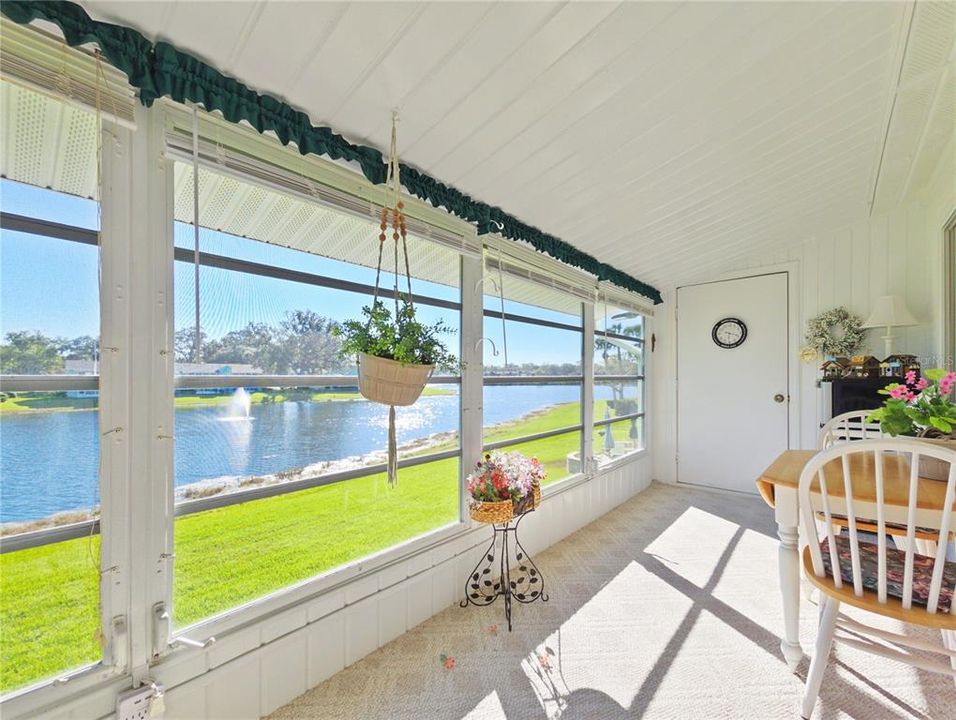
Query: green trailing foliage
x=403 y=339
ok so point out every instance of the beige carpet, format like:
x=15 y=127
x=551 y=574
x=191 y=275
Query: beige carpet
x=667 y=607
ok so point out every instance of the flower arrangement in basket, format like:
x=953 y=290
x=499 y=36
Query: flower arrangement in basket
x=504 y=485
x=923 y=408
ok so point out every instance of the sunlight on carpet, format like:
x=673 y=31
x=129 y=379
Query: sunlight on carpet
x=666 y=607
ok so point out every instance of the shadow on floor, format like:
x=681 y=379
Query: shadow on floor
x=522 y=675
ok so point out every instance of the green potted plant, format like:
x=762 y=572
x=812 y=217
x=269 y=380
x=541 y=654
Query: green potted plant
x=396 y=356
x=921 y=408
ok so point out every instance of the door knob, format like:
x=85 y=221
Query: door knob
x=779 y=397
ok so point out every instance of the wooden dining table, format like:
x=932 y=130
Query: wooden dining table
x=778 y=486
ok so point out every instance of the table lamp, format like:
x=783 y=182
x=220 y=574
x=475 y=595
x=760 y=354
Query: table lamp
x=890 y=311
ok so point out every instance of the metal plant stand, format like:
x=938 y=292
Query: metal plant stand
x=526 y=586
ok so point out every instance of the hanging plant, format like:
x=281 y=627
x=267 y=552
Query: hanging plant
x=396 y=355
x=404 y=340
x=820 y=333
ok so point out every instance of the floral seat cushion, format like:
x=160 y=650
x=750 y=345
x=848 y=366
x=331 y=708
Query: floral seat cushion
x=895 y=563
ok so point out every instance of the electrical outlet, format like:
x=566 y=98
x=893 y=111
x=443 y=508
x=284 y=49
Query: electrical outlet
x=135 y=704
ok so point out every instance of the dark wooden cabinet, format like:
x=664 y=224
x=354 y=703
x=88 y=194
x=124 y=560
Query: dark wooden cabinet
x=846 y=394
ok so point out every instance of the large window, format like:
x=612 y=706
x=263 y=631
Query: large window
x=618 y=382
x=278 y=459
x=238 y=458
x=532 y=402
x=49 y=433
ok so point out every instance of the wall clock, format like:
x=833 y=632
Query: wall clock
x=729 y=333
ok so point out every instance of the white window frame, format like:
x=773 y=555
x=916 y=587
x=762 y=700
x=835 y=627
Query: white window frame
x=323 y=174
x=137 y=391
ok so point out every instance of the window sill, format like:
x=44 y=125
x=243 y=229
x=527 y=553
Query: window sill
x=572 y=481
x=625 y=460
x=33 y=700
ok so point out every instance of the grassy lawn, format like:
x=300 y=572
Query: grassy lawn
x=45 y=402
x=231 y=555
x=50 y=402
x=48 y=606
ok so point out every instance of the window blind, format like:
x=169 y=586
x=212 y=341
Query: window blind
x=531 y=266
x=618 y=297
x=43 y=62
x=246 y=168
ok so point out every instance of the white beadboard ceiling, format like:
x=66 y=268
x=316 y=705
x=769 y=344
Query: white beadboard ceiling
x=667 y=139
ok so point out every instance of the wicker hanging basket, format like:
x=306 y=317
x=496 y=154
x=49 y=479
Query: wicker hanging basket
x=389 y=381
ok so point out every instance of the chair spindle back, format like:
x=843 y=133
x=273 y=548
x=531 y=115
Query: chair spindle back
x=827 y=486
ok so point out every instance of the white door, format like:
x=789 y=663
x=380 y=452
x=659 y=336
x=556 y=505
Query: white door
x=732 y=402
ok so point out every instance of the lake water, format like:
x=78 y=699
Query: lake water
x=48 y=461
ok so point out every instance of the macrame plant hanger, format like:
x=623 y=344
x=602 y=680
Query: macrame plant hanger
x=398 y=237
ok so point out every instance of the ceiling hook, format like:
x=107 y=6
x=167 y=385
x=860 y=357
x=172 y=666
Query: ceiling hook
x=482 y=279
x=494 y=349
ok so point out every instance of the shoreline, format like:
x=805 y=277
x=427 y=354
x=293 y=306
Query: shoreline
x=231 y=484
x=212 y=402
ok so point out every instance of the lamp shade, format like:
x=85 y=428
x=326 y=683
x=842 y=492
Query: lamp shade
x=890 y=311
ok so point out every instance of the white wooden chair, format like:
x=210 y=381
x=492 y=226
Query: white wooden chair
x=851 y=426
x=848 y=426
x=901 y=584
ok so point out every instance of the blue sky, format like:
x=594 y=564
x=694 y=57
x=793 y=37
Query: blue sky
x=51 y=285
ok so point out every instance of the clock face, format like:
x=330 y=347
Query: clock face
x=729 y=333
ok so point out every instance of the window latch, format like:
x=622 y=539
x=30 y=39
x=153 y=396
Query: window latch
x=161 y=639
x=118 y=644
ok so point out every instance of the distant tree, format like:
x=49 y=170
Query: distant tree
x=301 y=344
x=30 y=353
x=185 y=345
x=307 y=345
x=84 y=347
x=255 y=344
x=619 y=357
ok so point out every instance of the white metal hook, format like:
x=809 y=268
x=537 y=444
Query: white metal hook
x=482 y=279
x=494 y=349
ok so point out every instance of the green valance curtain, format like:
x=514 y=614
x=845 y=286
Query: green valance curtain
x=160 y=70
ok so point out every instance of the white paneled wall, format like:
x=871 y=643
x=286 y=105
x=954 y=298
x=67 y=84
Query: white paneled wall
x=898 y=252
x=253 y=671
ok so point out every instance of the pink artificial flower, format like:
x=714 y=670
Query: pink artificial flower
x=910 y=377
x=946 y=384
x=922 y=384
x=898 y=392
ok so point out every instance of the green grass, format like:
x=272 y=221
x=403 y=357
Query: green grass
x=231 y=555
x=49 y=602
x=45 y=402
x=58 y=402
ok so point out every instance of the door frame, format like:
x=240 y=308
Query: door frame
x=947 y=334
x=794 y=323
